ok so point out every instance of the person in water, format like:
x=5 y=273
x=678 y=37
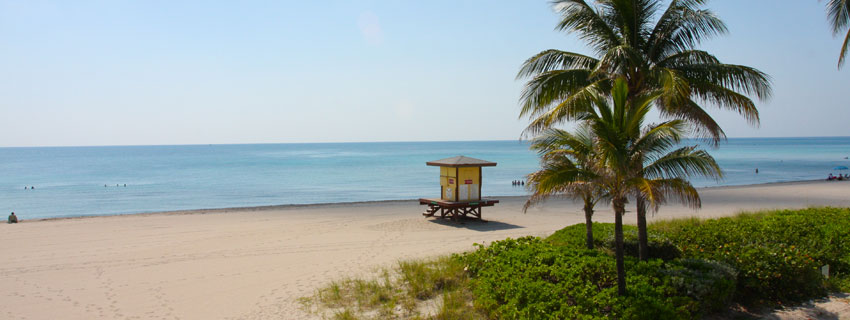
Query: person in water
x=13 y=218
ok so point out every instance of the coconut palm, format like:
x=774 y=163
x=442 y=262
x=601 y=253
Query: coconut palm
x=569 y=167
x=638 y=159
x=838 y=12
x=650 y=55
x=653 y=55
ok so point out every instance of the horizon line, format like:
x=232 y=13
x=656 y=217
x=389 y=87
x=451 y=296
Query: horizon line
x=348 y=142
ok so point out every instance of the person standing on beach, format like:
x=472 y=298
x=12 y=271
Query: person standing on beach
x=13 y=218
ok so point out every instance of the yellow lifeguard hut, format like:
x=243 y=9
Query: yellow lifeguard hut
x=460 y=188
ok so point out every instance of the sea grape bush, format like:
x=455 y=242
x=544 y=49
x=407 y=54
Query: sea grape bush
x=529 y=278
x=660 y=246
x=574 y=235
x=698 y=267
x=712 y=283
x=777 y=254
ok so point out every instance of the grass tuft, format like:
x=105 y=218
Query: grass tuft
x=415 y=289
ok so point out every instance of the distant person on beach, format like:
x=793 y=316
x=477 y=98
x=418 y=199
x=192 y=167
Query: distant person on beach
x=757 y=170
x=13 y=218
x=32 y=188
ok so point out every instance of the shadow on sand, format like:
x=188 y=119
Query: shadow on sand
x=474 y=224
x=807 y=310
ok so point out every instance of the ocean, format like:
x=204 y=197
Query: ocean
x=81 y=181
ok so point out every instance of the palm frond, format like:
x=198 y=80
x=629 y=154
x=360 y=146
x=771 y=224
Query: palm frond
x=728 y=99
x=557 y=141
x=619 y=60
x=659 y=138
x=688 y=57
x=581 y=18
x=844 y=47
x=551 y=87
x=743 y=79
x=683 y=162
x=637 y=111
x=681 y=189
x=631 y=19
x=838 y=13
x=682 y=27
x=570 y=170
x=703 y=126
x=552 y=59
x=577 y=106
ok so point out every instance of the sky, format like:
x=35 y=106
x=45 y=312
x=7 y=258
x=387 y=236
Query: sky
x=113 y=72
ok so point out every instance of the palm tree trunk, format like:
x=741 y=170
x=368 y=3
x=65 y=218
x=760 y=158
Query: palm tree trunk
x=588 y=222
x=619 y=210
x=643 y=241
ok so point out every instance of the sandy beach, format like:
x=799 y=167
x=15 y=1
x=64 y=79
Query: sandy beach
x=254 y=263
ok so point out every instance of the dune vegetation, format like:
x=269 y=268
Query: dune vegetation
x=696 y=268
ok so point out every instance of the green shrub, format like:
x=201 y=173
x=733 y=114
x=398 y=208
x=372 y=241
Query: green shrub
x=711 y=283
x=574 y=236
x=660 y=247
x=777 y=254
x=528 y=278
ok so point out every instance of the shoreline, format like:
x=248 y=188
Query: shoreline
x=277 y=207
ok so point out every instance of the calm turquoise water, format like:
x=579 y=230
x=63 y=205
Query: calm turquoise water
x=69 y=181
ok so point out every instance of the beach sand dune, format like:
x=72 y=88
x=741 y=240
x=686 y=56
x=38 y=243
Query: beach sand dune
x=254 y=263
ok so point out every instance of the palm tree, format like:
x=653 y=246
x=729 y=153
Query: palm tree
x=653 y=56
x=660 y=56
x=838 y=12
x=638 y=160
x=570 y=167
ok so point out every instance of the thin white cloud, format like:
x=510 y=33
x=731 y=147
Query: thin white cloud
x=370 y=28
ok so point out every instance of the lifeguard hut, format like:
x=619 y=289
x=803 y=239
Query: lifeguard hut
x=460 y=188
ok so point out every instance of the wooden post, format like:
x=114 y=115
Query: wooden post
x=480 y=183
x=457 y=184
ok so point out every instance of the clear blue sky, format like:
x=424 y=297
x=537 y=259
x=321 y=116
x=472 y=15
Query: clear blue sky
x=197 y=72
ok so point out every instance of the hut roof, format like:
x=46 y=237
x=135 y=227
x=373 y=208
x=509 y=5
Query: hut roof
x=461 y=161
